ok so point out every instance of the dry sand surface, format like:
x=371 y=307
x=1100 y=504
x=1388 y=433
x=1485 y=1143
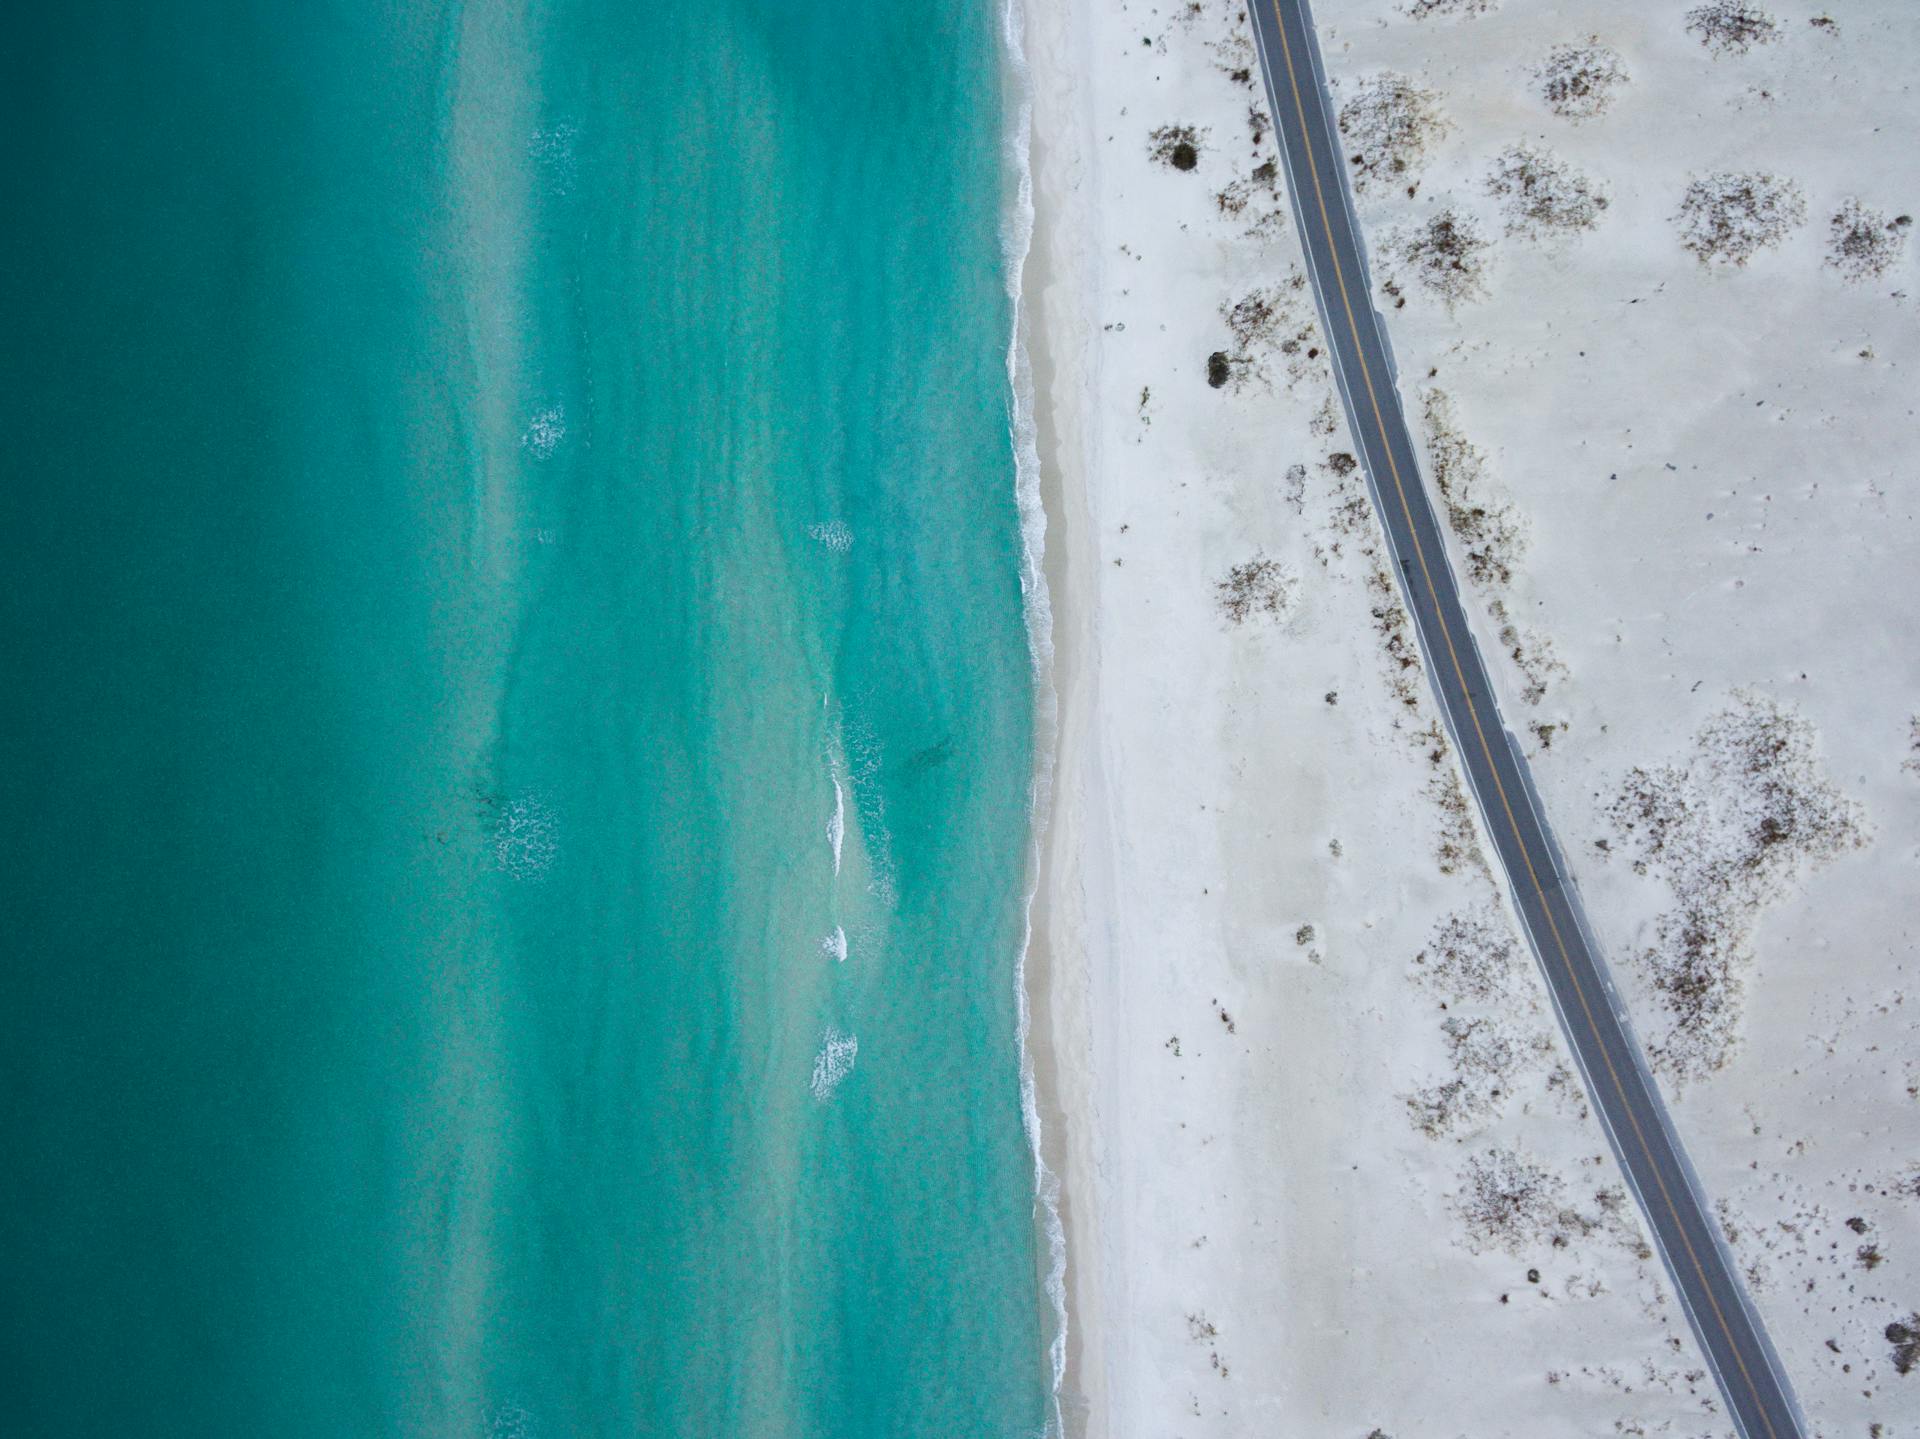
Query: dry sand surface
x=1326 y=1169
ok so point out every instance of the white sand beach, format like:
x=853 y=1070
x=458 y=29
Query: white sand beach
x=1325 y=1167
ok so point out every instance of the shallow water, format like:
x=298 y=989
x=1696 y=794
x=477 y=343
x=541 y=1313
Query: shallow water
x=485 y=488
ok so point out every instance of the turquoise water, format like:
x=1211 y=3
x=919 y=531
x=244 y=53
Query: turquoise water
x=511 y=561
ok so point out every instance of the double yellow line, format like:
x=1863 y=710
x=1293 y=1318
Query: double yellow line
x=1486 y=749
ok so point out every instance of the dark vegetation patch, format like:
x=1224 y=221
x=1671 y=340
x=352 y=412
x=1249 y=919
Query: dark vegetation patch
x=1395 y=632
x=1484 y=1055
x=1580 y=81
x=1511 y=1202
x=1446 y=256
x=1272 y=323
x=1508 y=1201
x=1259 y=588
x=1731 y=27
x=1457 y=847
x=1472 y=955
x=1864 y=243
x=1389 y=125
x=1175 y=146
x=1728 y=218
x=1904 y=1336
x=1490 y=533
x=1541 y=196
x=1349 y=516
x=1728 y=829
x=1436 y=9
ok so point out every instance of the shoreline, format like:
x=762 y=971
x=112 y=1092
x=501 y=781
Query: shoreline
x=1055 y=979
x=1017 y=242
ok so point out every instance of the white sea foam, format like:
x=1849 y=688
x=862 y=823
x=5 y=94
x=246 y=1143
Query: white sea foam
x=835 y=944
x=1016 y=240
x=526 y=838
x=833 y=1063
x=552 y=149
x=510 y=1421
x=864 y=760
x=837 y=826
x=834 y=534
x=545 y=431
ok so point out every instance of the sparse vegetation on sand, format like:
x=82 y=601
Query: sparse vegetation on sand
x=1256 y=320
x=1345 y=511
x=1728 y=218
x=1275 y=320
x=1395 y=631
x=1490 y=532
x=1728 y=829
x=1232 y=47
x=1259 y=588
x=1508 y=1201
x=1255 y=198
x=1579 y=82
x=1864 y=243
x=1456 y=841
x=1731 y=27
x=1485 y=1054
x=1457 y=846
x=1532 y=654
x=1432 y=9
x=1389 y=124
x=1470 y=964
x=1446 y=256
x=1472 y=955
x=1175 y=146
x=1541 y=196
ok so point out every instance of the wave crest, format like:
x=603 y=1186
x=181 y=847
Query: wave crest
x=833 y=1063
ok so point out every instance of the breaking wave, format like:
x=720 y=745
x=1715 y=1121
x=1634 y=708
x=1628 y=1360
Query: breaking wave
x=526 y=838
x=544 y=432
x=834 y=534
x=833 y=1063
x=837 y=826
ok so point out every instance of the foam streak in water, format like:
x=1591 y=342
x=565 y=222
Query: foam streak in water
x=837 y=826
x=833 y=1063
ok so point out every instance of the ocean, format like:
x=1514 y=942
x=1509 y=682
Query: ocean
x=520 y=724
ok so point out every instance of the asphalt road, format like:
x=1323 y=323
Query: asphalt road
x=1755 y=1387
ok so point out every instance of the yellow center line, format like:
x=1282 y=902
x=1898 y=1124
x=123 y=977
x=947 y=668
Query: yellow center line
x=1480 y=732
